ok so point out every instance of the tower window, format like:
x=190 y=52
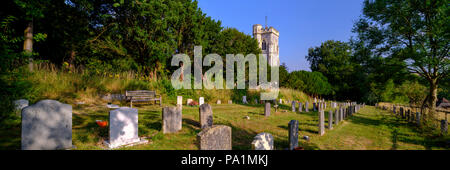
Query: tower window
x=264 y=45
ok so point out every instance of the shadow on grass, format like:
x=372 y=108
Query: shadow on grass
x=300 y=128
x=403 y=131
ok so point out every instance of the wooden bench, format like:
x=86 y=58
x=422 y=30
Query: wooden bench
x=142 y=96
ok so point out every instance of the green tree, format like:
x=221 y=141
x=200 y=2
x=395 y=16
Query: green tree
x=312 y=83
x=414 y=91
x=334 y=60
x=283 y=75
x=415 y=31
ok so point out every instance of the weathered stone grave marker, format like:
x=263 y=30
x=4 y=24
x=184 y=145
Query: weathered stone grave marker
x=300 y=107
x=336 y=116
x=267 y=108
x=321 y=122
x=47 y=125
x=330 y=120
x=293 y=134
x=263 y=141
x=293 y=106
x=306 y=107
x=217 y=137
x=206 y=116
x=171 y=119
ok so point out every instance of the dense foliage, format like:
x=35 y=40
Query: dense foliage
x=400 y=54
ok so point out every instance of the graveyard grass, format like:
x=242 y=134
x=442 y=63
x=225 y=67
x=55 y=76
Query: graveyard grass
x=370 y=129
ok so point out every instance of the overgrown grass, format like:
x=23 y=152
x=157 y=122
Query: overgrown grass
x=69 y=87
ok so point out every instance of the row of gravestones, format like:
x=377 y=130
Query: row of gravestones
x=345 y=110
x=340 y=114
x=201 y=101
x=47 y=125
x=409 y=116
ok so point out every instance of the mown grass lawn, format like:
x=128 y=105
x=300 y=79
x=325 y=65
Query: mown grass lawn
x=370 y=129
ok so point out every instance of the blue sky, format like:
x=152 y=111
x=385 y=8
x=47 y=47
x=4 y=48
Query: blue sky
x=302 y=23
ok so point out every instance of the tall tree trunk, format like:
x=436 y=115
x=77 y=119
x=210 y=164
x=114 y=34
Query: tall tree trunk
x=433 y=99
x=28 y=44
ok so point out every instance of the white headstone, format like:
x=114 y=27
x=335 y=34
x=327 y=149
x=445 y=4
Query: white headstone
x=123 y=127
x=219 y=102
x=179 y=100
x=201 y=101
x=244 y=99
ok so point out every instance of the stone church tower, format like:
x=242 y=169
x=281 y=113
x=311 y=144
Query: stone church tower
x=268 y=42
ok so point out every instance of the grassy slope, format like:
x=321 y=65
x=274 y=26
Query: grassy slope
x=368 y=130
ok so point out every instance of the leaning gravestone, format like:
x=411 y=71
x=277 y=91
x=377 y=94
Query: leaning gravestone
x=321 y=122
x=293 y=106
x=47 y=125
x=171 y=119
x=267 y=108
x=123 y=128
x=293 y=134
x=217 y=137
x=201 y=101
x=206 y=116
x=19 y=105
x=219 y=102
x=263 y=141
